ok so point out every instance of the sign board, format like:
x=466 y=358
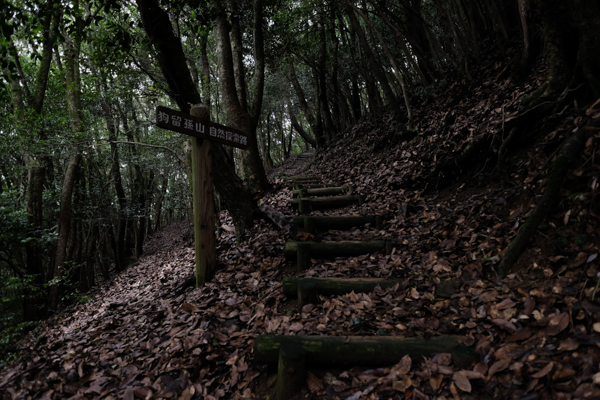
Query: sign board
x=193 y=126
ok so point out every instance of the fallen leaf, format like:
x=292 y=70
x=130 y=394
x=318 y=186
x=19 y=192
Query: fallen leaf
x=188 y=308
x=568 y=344
x=404 y=365
x=544 y=371
x=128 y=395
x=557 y=324
x=504 y=324
x=461 y=381
x=498 y=366
x=296 y=326
x=313 y=382
x=566 y=217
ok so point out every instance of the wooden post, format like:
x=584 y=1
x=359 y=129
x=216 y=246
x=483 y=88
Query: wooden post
x=204 y=206
x=309 y=225
x=303 y=205
x=302 y=256
x=307 y=293
x=291 y=371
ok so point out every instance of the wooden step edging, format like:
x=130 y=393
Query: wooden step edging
x=303 y=251
x=336 y=286
x=362 y=350
x=311 y=224
x=306 y=205
x=298 y=186
x=319 y=192
x=301 y=178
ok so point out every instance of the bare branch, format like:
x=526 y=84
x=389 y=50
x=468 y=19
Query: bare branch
x=158 y=147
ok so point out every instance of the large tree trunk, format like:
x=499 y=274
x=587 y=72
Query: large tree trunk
x=301 y=131
x=572 y=46
x=174 y=68
x=237 y=112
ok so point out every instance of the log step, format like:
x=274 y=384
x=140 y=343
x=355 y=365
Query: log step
x=298 y=186
x=302 y=179
x=321 y=203
x=348 y=248
x=344 y=222
x=319 y=192
x=363 y=350
x=336 y=286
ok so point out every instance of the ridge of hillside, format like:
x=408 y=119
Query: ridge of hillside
x=150 y=334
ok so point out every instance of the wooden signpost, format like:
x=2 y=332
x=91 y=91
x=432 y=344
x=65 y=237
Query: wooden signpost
x=199 y=126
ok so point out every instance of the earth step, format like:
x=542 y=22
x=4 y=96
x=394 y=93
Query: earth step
x=331 y=191
x=303 y=251
x=307 y=204
x=336 y=286
x=343 y=222
x=363 y=350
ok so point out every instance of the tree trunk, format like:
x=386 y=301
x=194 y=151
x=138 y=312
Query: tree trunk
x=394 y=65
x=308 y=113
x=328 y=125
x=238 y=115
x=173 y=65
x=159 y=202
x=571 y=46
x=301 y=131
x=73 y=89
x=375 y=67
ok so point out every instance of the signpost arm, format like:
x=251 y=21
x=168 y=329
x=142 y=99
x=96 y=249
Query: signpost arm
x=204 y=207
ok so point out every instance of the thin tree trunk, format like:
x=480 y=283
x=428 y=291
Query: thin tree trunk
x=371 y=59
x=308 y=113
x=73 y=88
x=394 y=65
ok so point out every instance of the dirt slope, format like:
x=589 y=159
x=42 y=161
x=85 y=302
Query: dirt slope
x=149 y=334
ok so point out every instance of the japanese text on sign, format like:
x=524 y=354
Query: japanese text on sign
x=193 y=126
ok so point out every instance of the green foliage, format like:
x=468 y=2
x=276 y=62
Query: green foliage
x=13 y=220
x=9 y=338
x=12 y=327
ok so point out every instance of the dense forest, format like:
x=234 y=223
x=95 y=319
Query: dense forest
x=87 y=178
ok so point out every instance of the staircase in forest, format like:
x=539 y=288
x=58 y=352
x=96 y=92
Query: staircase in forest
x=294 y=354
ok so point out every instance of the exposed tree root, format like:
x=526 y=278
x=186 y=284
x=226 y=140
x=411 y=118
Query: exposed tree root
x=573 y=145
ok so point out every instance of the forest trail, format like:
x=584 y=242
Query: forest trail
x=149 y=334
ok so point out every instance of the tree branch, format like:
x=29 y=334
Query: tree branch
x=158 y=147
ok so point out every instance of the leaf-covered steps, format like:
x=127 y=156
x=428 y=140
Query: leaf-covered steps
x=303 y=251
x=307 y=289
x=307 y=204
x=322 y=191
x=336 y=286
x=343 y=222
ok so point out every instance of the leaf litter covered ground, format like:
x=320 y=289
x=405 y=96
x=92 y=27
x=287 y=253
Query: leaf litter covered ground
x=150 y=334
